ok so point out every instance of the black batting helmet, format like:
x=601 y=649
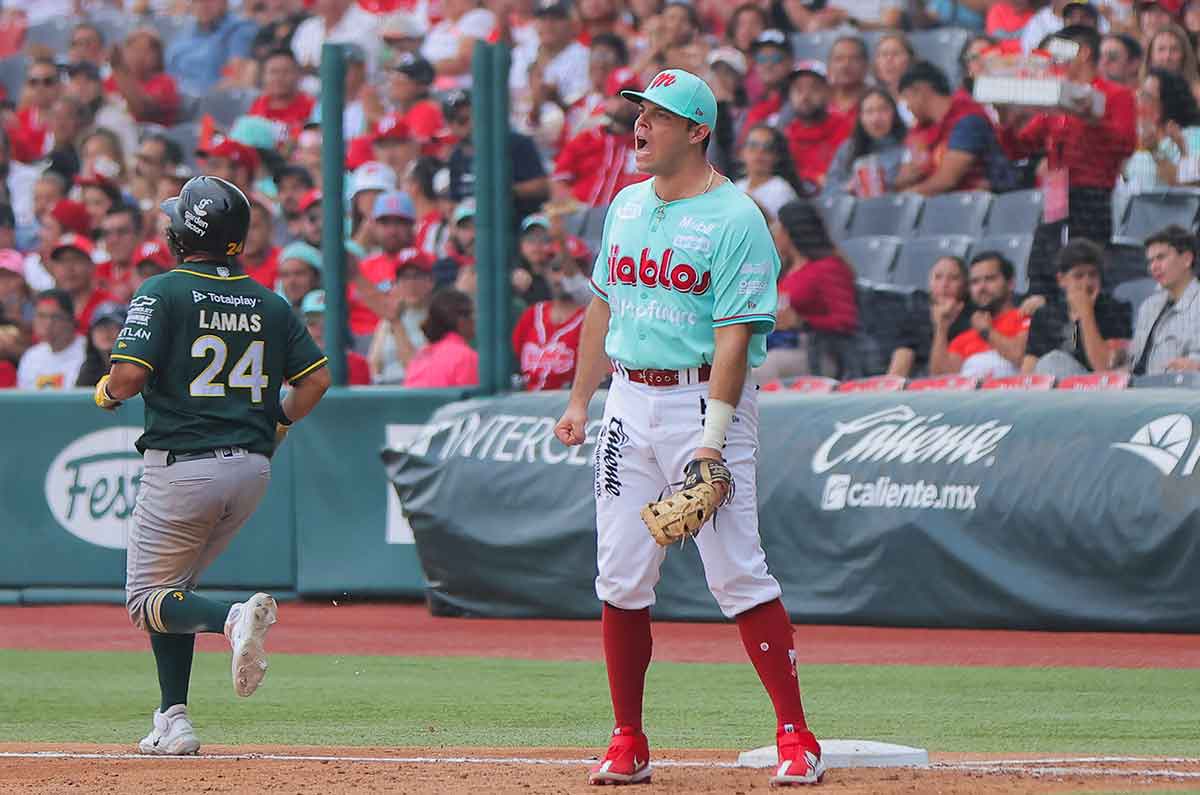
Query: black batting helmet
x=209 y=216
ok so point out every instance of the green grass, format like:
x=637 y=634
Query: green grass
x=107 y=697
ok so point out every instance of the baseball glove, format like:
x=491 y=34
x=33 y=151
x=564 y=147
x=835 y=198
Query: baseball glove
x=682 y=514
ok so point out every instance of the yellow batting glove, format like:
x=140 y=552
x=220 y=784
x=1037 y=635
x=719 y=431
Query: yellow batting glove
x=101 y=396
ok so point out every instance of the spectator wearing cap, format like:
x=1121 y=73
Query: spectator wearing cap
x=84 y=82
x=815 y=133
x=1153 y=16
x=995 y=343
x=72 y=264
x=772 y=57
x=597 y=163
x=102 y=333
x=535 y=250
x=530 y=184
x=1121 y=59
x=120 y=233
x=54 y=362
x=299 y=271
x=312 y=308
x=231 y=161
x=151 y=259
x=281 y=99
x=849 y=64
x=1090 y=147
x=449 y=44
x=1073 y=333
x=213 y=42
x=875 y=148
x=29 y=129
x=408 y=91
x=606 y=55
x=139 y=76
x=367 y=183
x=459 y=248
x=66 y=217
x=311 y=219
x=393 y=144
x=558 y=73
x=99 y=194
x=1166 y=337
x=546 y=337
x=953 y=137
x=405 y=306
x=260 y=257
x=816 y=297
x=292 y=184
x=448 y=360
x=336 y=22
x=769 y=177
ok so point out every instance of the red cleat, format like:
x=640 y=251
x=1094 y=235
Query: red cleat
x=627 y=760
x=799 y=758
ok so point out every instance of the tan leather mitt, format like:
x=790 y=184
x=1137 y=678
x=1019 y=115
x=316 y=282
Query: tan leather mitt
x=682 y=514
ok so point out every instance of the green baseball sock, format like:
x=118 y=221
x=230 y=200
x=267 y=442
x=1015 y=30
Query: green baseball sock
x=183 y=612
x=173 y=656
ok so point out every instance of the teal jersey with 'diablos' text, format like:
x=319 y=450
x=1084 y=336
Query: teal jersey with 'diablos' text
x=673 y=272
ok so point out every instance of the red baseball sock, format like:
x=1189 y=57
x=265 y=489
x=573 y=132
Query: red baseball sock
x=627 y=647
x=767 y=635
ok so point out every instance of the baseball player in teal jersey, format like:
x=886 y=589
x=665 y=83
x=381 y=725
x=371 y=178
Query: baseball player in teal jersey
x=685 y=296
x=208 y=349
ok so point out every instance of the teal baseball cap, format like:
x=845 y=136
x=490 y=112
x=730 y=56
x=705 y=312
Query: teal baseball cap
x=303 y=252
x=255 y=132
x=682 y=93
x=313 y=303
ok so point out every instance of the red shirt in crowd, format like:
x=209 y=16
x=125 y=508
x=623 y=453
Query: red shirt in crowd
x=1006 y=21
x=8 y=374
x=424 y=120
x=28 y=135
x=762 y=111
x=379 y=270
x=1092 y=151
x=969 y=343
x=264 y=271
x=598 y=164
x=448 y=362
x=427 y=232
x=545 y=351
x=115 y=278
x=295 y=114
x=822 y=293
x=83 y=316
x=934 y=140
x=162 y=89
x=358 y=372
x=813 y=146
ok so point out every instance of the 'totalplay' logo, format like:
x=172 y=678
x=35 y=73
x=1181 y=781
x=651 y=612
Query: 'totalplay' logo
x=92 y=483
x=1163 y=443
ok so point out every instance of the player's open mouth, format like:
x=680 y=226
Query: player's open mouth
x=640 y=142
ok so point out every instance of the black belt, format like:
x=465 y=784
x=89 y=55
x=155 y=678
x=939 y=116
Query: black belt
x=174 y=457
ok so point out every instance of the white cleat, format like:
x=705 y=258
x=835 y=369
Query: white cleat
x=172 y=734
x=809 y=769
x=246 y=628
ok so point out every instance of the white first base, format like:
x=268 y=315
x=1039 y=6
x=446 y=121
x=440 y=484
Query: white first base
x=847 y=753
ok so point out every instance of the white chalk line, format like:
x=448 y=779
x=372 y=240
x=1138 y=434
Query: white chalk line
x=1081 y=766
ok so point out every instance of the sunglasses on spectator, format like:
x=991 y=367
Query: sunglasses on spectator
x=770 y=58
x=42 y=81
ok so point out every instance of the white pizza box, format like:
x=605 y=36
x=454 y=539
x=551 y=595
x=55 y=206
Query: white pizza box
x=1044 y=92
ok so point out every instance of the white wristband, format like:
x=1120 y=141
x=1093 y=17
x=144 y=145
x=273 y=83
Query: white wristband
x=717 y=416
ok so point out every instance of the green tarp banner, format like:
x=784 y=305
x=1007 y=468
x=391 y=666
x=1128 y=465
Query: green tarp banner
x=1060 y=510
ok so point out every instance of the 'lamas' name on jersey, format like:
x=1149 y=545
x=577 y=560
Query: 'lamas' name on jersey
x=229 y=321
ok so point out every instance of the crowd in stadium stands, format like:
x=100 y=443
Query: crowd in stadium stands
x=922 y=233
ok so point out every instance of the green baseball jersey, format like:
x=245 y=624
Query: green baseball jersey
x=673 y=272
x=218 y=346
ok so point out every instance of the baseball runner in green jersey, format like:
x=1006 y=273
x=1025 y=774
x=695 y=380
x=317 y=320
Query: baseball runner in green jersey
x=208 y=349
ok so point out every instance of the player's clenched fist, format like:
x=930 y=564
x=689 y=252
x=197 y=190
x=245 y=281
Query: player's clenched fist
x=572 y=427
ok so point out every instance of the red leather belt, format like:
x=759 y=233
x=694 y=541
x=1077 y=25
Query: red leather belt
x=664 y=377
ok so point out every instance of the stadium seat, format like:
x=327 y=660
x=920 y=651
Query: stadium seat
x=169 y=26
x=942 y=46
x=1015 y=213
x=872 y=258
x=226 y=105
x=893 y=214
x=588 y=224
x=114 y=24
x=12 y=75
x=1189 y=380
x=814 y=46
x=911 y=271
x=943 y=383
x=1124 y=264
x=1095 y=382
x=1135 y=292
x=1149 y=212
x=836 y=212
x=1017 y=248
x=54 y=34
x=1035 y=381
x=813 y=383
x=186 y=136
x=959 y=213
x=880 y=383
